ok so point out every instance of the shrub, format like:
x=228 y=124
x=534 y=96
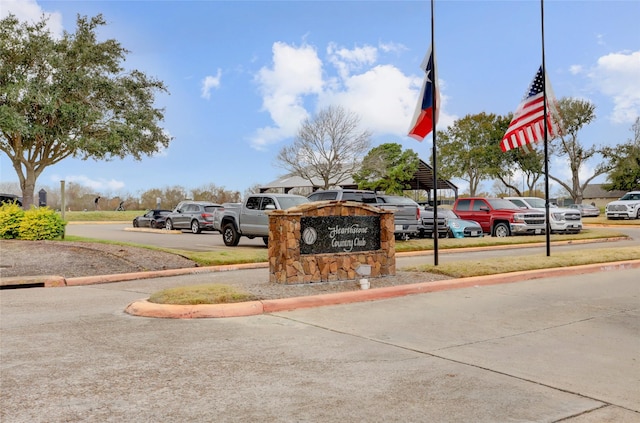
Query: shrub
x=11 y=215
x=41 y=223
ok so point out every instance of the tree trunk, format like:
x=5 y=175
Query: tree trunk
x=28 y=187
x=27 y=176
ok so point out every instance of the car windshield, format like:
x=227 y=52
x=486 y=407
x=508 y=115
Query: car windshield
x=449 y=214
x=536 y=203
x=631 y=196
x=397 y=200
x=500 y=204
x=288 y=202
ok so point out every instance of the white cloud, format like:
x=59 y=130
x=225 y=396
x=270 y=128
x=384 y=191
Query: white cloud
x=209 y=83
x=575 y=69
x=392 y=47
x=383 y=96
x=295 y=73
x=30 y=11
x=617 y=75
x=346 y=61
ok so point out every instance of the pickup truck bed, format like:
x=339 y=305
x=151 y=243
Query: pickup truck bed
x=251 y=219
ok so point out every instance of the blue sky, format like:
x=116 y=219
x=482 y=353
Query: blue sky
x=243 y=75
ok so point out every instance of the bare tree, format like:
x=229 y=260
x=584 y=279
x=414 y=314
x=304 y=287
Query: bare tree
x=575 y=114
x=327 y=148
x=212 y=192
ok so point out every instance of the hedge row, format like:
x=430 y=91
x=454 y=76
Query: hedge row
x=34 y=224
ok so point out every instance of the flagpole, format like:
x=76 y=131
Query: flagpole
x=435 y=234
x=546 y=147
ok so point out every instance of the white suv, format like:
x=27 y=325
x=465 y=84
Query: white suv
x=627 y=207
x=562 y=220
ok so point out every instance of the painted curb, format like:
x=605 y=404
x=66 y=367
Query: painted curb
x=123 y=277
x=143 y=308
x=47 y=281
x=154 y=231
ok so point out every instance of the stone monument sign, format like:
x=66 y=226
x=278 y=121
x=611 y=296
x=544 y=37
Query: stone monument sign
x=328 y=240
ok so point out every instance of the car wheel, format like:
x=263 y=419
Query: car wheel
x=153 y=224
x=265 y=239
x=195 y=227
x=168 y=225
x=135 y=223
x=501 y=230
x=230 y=235
x=638 y=214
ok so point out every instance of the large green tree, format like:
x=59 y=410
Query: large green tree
x=470 y=149
x=625 y=174
x=387 y=168
x=71 y=97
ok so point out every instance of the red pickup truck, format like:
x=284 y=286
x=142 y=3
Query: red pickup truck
x=499 y=217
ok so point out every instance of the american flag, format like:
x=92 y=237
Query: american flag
x=527 y=124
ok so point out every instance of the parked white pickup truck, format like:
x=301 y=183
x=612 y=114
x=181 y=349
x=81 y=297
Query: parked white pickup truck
x=562 y=220
x=250 y=219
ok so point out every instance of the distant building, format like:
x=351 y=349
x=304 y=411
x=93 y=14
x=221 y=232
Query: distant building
x=595 y=192
x=422 y=180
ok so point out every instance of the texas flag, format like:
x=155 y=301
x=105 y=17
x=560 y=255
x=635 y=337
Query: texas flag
x=422 y=123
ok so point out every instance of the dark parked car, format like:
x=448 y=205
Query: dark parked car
x=194 y=215
x=586 y=210
x=152 y=219
x=425 y=230
x=10 y=198
x=406 y=214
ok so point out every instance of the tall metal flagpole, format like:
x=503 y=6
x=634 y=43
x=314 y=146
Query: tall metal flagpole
x=546 y=147
x=434 y=83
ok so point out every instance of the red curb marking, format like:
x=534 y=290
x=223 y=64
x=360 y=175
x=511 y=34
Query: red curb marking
x=146 y=309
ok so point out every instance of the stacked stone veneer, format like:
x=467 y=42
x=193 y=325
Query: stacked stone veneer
x=288 y=266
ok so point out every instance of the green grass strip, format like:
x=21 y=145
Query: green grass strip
x=201 y=294
x=511 y=263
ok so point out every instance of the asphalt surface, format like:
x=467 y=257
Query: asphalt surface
x=564 y=348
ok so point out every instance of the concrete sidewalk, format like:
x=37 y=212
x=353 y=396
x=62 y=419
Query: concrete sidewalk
x=552 y=349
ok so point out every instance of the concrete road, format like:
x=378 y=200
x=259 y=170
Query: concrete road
x=205 y=241
x=211 y=241
x=559 y=349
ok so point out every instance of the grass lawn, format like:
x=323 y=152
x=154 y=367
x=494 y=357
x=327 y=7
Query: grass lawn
x=239 y=255
x=218 y=294
x=201 y=294
x=102 y=215
x=517 y=263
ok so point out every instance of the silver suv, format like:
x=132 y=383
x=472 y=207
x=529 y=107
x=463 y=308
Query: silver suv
x=194 y=215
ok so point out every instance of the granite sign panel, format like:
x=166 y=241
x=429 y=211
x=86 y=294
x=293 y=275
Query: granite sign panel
x=339 y=234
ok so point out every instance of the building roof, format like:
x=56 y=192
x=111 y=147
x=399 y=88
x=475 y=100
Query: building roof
x=596 y=191
x=422 y=180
